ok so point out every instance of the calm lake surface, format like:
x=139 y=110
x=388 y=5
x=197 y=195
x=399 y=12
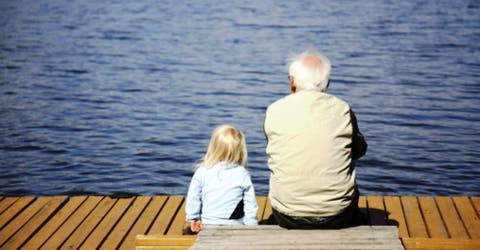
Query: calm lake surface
x=108 y=97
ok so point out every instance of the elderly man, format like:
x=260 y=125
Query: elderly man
x=313 y=140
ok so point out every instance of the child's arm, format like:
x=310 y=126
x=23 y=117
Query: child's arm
x=250 y=202
x=194 y=199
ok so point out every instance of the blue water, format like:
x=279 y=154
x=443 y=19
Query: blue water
x=105 y=97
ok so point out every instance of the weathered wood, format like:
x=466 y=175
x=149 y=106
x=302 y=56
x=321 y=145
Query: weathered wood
x=433 y=220
x=476 y=203
x=144 y=222
x=102 y=222
x=362 y=202
x=415 y=224
x=396 y=217
x=56 y=240
x=165 y=217
x=54 y=223
x=10 y=213
x=451 y=218
x=468 y=215
x=22 y=219
x=274 y=237
x=6 y=202
x=93 y=219
x=352 y=233
x=121 y=229
x=160 y=248
x=376 y=210
x=165 y=240
x=95 y=239
x=47 y=230
x=34 y=223
x=268 y=210
x=440 y=244
x=362 y=205
x=178 y=221
x=261 y=201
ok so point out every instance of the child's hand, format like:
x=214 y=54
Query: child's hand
x=196 y=226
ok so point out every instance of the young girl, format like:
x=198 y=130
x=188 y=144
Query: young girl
x=221 y=191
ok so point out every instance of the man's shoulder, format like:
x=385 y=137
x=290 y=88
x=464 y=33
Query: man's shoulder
x=308 y=98
x=337 y=100
x=278 y=103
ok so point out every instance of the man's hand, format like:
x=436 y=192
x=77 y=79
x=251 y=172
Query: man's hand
x=196 y=226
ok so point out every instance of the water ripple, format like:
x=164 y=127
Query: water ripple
x=120 y=97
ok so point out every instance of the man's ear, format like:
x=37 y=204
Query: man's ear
x=293 y=88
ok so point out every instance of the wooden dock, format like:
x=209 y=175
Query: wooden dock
x=100 y=222
x=271 y=237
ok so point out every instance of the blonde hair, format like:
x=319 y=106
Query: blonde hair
x=226 y=145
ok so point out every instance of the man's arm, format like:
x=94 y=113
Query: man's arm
x=359 y=145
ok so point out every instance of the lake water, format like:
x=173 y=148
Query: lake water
x=108 y=97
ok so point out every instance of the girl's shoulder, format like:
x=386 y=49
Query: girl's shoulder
x=234 y=166
x=222 y=166
x=240 y=169
x=200 y=170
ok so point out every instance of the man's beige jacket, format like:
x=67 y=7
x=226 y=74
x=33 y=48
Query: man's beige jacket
x=309 y=137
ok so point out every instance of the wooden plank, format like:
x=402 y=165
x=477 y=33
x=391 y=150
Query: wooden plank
x=165 y=240
x=121 y=229
x=362 y=218
x=362 y=202
x=440 y=244
x=176 y=228
x=89 y=224
x=40 y=216
x=451 y=218
x=160 y=248
x=395 y=214
x=261 y=201
x=21 y=219
x=362 y=206
x=415 y=224
x=274 y=237
x=165 y=217
x=7 y=202
x=376 y=210
x=476 y=204
x=95 y=239
x=10 y=213
x=468 y=215
x=353 y=232
x=41 y=225
x=144 y=221
x=435 y=226
x=54 y=223
x=268 y=210
x=72 y=223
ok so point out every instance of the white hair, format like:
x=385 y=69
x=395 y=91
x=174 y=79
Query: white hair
x=310 y=77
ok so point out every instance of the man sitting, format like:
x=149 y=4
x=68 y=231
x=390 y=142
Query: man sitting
x=313 y=140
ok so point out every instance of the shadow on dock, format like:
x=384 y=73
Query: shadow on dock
x=365 y=217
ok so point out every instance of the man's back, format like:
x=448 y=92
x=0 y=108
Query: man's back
x=309 y=148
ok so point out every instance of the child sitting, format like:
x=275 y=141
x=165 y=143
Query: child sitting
x=221 y=190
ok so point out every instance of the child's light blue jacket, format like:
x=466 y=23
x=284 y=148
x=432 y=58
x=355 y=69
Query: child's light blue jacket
x=215 y=192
